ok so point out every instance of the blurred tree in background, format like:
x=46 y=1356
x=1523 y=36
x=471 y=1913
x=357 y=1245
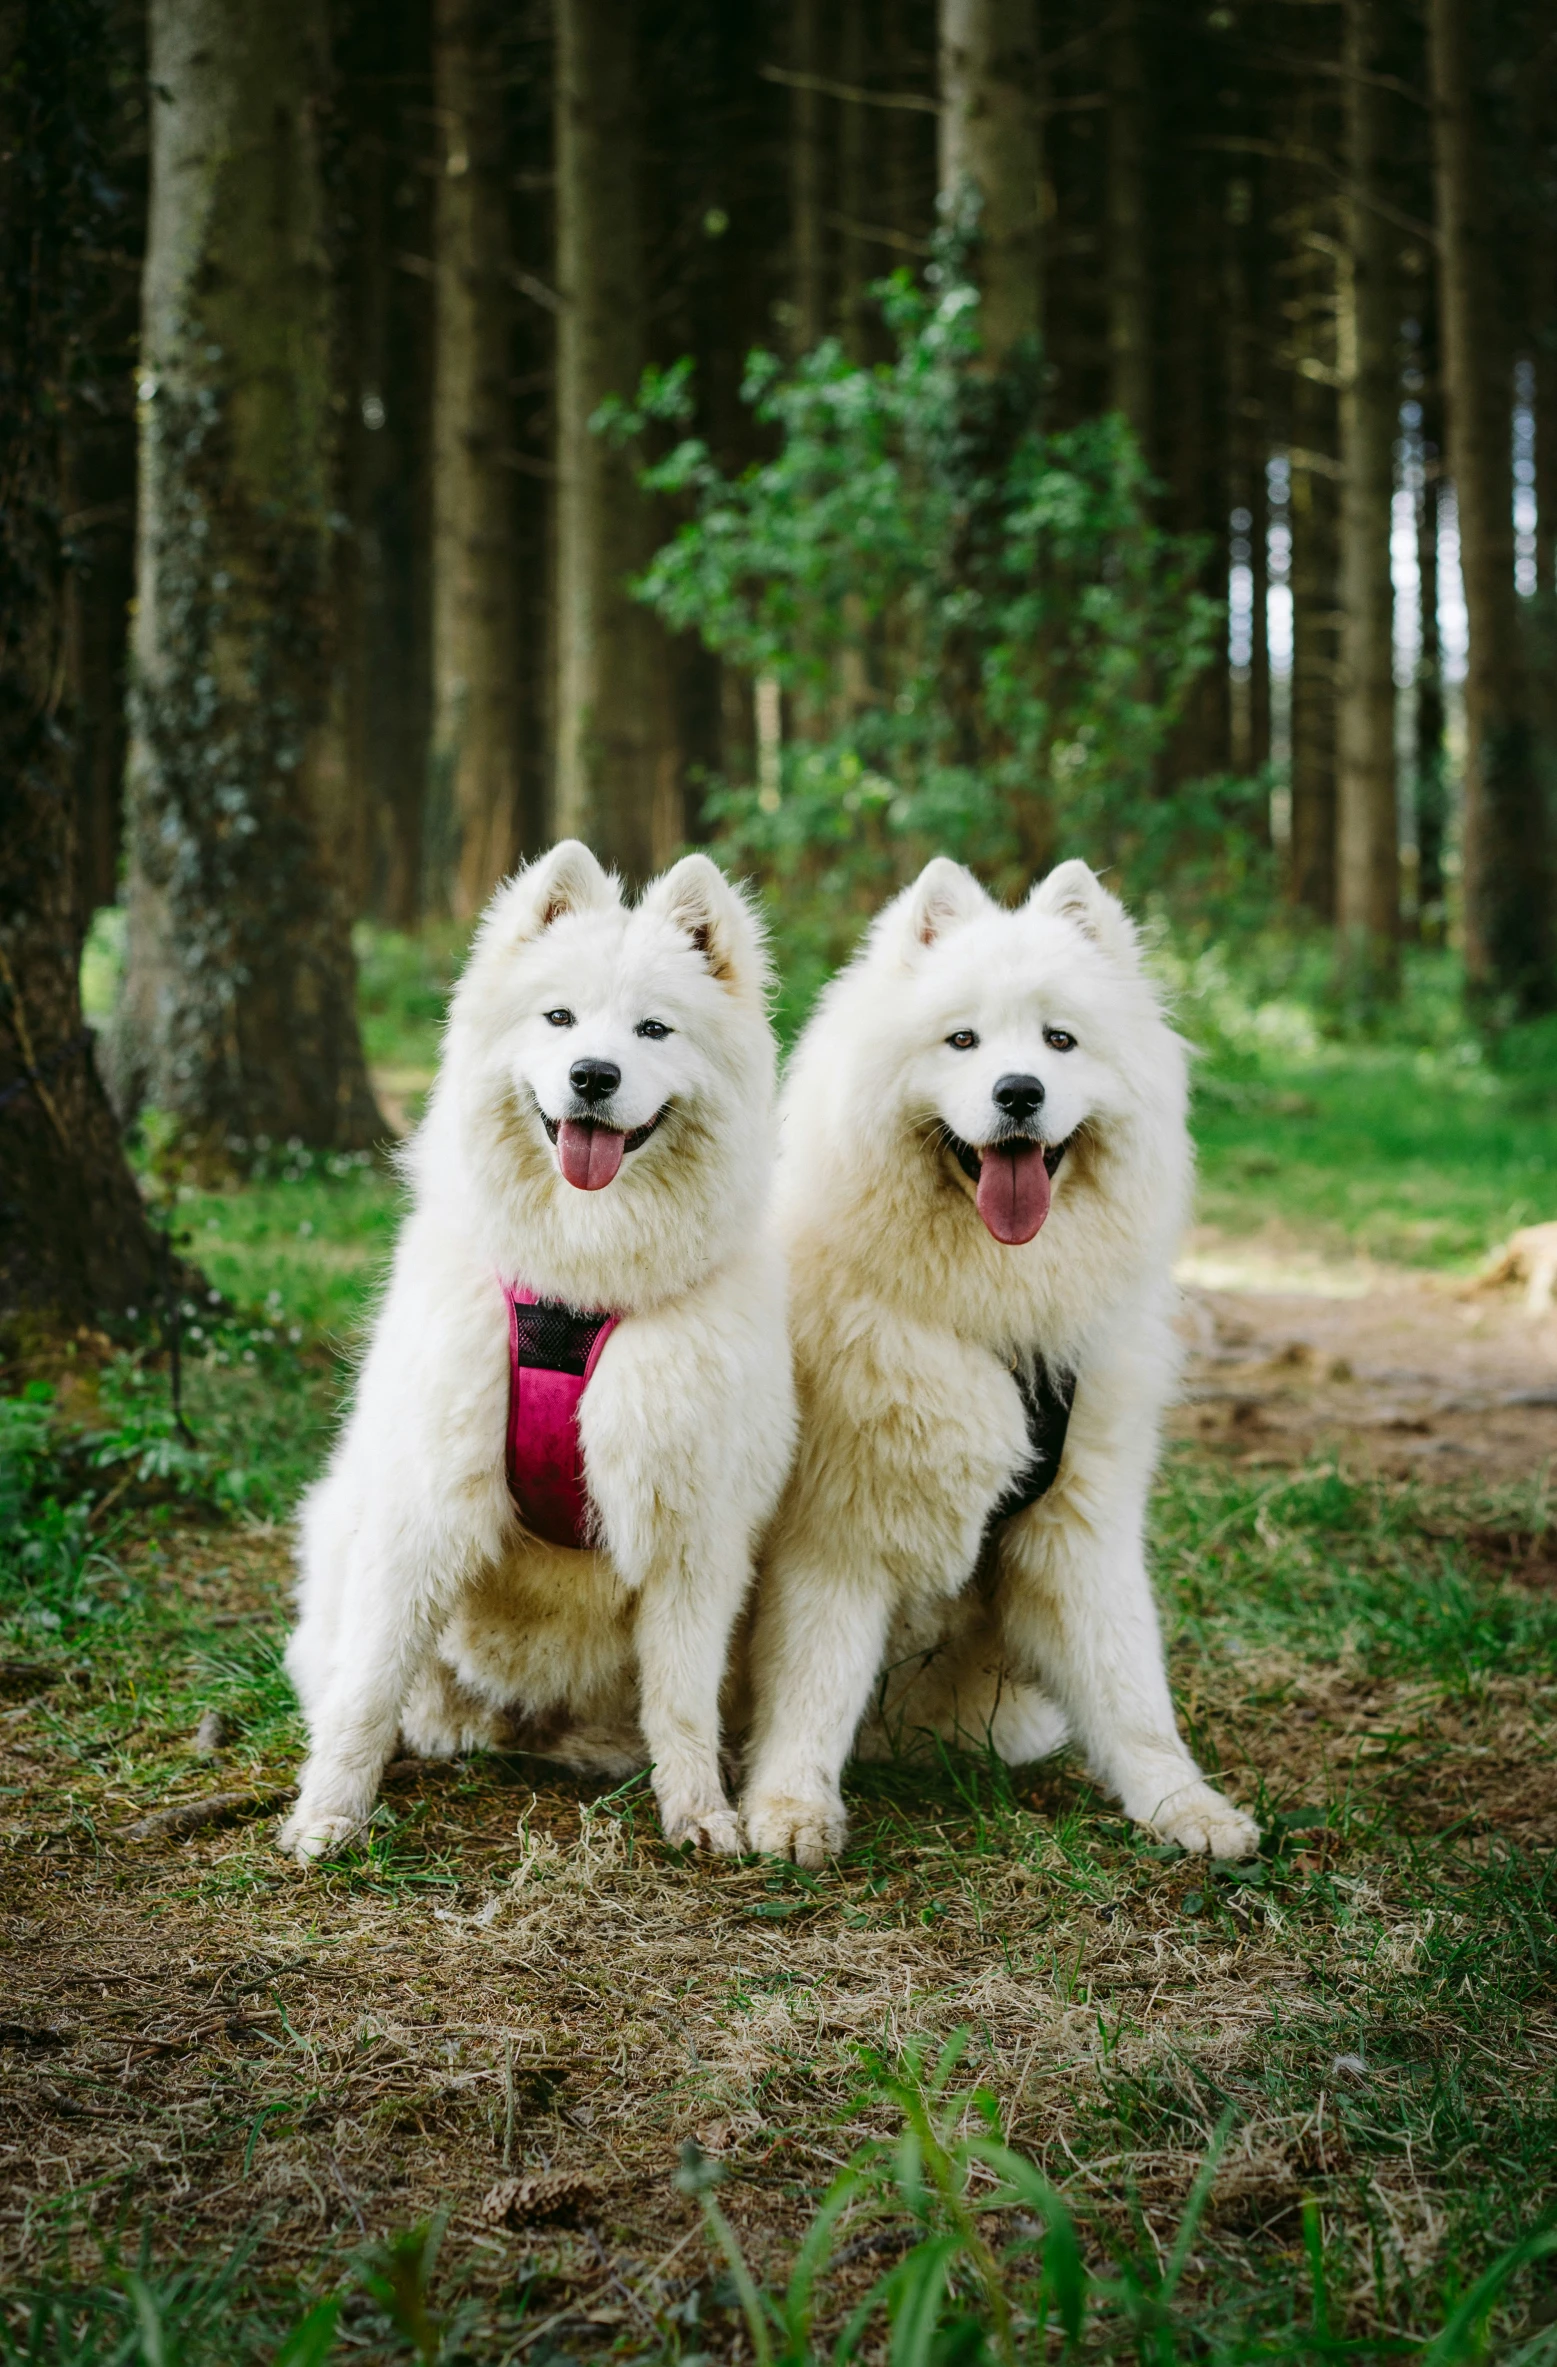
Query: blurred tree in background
x=74 y=1241
x=238 y=1015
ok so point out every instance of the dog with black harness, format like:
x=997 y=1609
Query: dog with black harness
x=984 y=1170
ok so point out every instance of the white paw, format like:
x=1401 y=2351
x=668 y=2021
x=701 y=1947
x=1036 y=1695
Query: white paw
x=310 y=1836
x=715 y=1829
x=1201 y=1821
x=808 y=1831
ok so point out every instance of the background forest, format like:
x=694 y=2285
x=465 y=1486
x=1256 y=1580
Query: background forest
x=828 y=434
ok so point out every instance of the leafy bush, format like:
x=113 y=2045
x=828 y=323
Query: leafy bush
x=981 y=636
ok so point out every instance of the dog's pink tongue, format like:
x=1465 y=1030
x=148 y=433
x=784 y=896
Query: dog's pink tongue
x=589 y=1156
x=1013 y=1193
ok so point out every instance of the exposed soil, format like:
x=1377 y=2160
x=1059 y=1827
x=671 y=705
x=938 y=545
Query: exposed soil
x=1389 y=1372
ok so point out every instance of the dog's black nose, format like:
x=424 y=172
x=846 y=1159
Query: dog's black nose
x=597 y=1080
x=1017 y=1096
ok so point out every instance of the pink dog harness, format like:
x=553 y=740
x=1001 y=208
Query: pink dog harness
x=552 y=1351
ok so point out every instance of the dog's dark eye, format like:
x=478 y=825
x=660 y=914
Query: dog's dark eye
x=654 y=1029
x=560 y=1019
x=1058 y=1040
x=963 y=1041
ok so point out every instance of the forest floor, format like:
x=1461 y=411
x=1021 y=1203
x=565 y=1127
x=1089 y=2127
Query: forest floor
x=1289 y=2106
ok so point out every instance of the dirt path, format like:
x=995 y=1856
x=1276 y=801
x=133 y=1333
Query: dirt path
x=1401 y=1373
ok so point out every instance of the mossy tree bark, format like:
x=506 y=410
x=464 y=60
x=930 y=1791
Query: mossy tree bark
x=238 y=1015
x=617 y=784
x=74 y=1241
x=1506 y=851
x=474 y=805
x=990 y=151
x=1367 y=871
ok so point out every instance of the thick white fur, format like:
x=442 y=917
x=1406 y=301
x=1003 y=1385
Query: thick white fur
x=908 y=1319
x=424 y=1607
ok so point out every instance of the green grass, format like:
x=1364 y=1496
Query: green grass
x=1405 y=1138
x=403 y=987
x=1415 y=1156
x=310 y=1244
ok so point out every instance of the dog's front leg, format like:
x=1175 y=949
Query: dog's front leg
x=684 y=1628
x=1077 y=1605
x=395 y=1595
x=816 y=1652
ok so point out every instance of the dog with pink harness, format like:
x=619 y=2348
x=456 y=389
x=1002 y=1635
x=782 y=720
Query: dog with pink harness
x=575 y=1414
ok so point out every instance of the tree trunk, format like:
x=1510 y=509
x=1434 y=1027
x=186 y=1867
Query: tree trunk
x=1312 y=847
x=474 y=792
x=238 y=1015
x=908 y=159
x=99 y=476
x=855 y=269
x=1546 y=459
x=1198 y=459
x=74 y=1242
x=384 y=59
x=1129 y=301
x=808 y=254
x=99 y=494
x=990 y=157
x=1259 y=616
x=616 y=776
x=1432 y=789
x=1507 y=873
x=1367 y=823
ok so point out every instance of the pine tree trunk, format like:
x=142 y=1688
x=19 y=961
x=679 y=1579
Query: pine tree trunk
x=807 y=176
x=384 y=58
x=1312 y=847
x=1432 y=800
x=991 y=157
x=99 y=495
x=1198 y=461
x=616 y=779
x=1367 y=823
x=908 y=162
x=1259 y=616
x=1507 y=868
x=1546 y=451
x=474 y=791
x=74 y=1242
x=853 y=199
x=1129 y=305
x=99 y=469
x=238 y=1014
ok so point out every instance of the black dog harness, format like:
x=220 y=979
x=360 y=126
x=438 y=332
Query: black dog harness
x=1046 y=1399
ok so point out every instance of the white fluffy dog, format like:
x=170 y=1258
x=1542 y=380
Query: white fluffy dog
x=984 y=1168
x=598 y=1144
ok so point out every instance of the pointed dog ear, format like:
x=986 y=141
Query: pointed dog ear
x=568 y=879
x=696 y=898
x=1074 y=893
x=944 y=897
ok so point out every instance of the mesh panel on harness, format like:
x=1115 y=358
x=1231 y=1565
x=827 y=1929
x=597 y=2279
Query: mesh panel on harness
x=552 y=1351
x=548 y=1337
